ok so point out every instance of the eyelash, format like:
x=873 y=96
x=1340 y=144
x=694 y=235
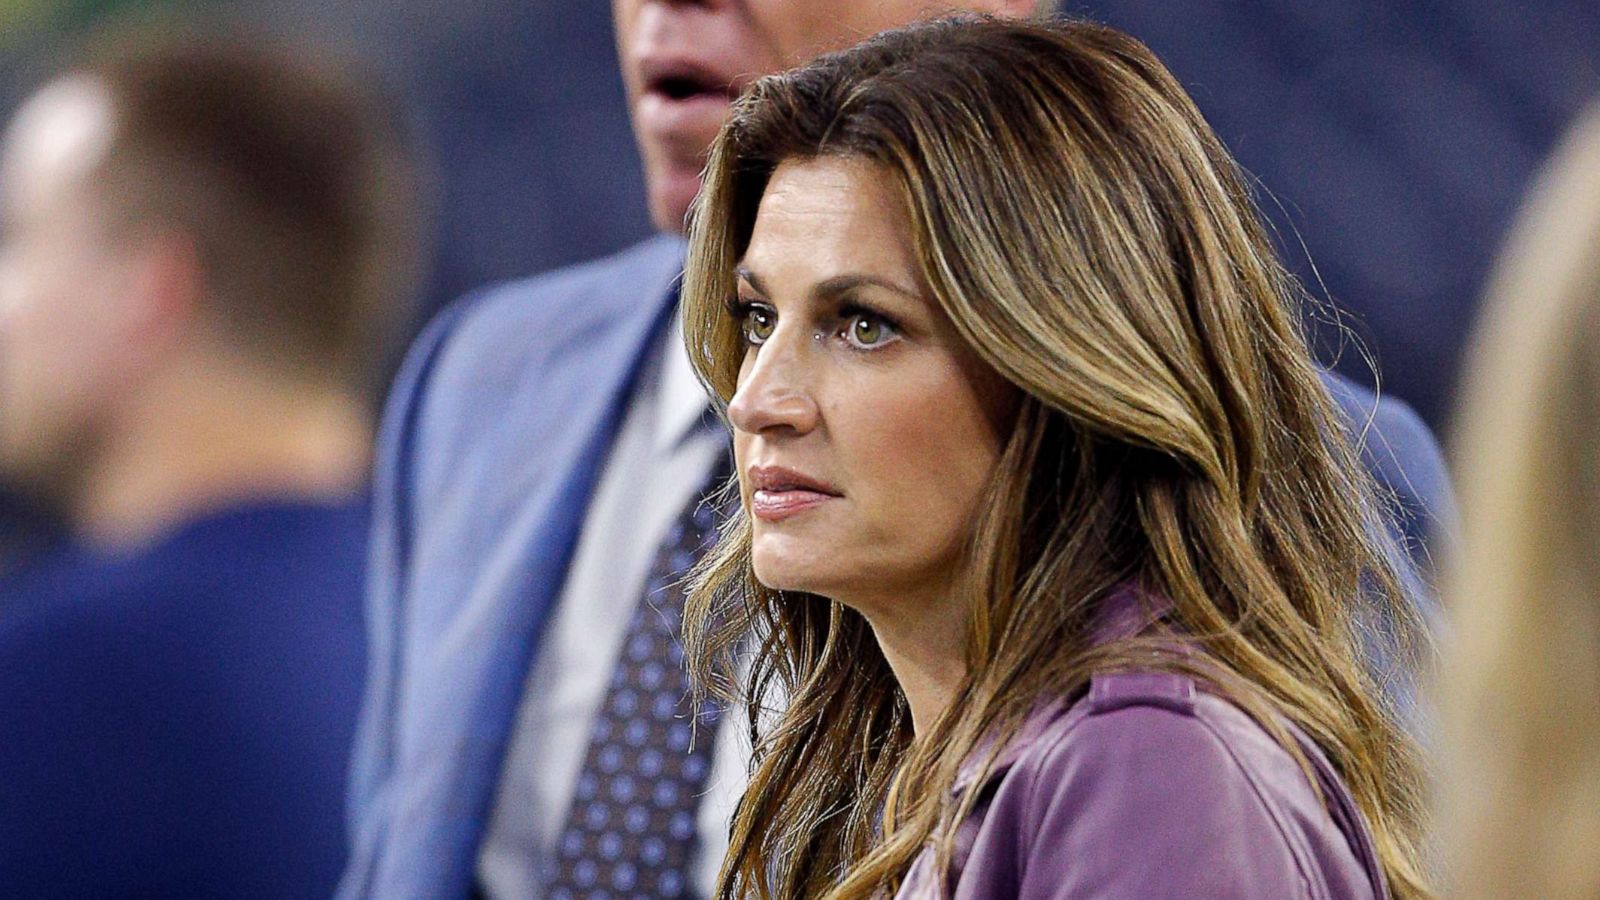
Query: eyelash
x=851 y=313
x=742 y=309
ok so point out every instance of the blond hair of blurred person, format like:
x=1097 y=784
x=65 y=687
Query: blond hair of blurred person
x=1521 y=800
x=205 y=238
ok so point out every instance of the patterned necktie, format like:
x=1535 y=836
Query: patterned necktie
x=631 y=829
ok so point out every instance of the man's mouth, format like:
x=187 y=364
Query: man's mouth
x=688 y=87
x=684 y=80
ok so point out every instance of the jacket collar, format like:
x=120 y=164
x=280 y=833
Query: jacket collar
x=1126 y=611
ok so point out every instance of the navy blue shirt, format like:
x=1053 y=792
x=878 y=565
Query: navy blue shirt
x=178 y=722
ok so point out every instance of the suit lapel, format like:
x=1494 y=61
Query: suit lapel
x=510 y=506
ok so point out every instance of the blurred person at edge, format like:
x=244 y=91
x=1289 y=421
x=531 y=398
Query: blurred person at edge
x=538 y=452
x=204 y=240
x=1520 y=686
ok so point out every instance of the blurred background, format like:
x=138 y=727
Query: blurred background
x=1394 y=139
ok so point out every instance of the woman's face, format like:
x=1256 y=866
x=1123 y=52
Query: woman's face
x=865 y=429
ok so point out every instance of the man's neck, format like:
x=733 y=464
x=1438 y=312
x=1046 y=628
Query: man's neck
x=212 y=437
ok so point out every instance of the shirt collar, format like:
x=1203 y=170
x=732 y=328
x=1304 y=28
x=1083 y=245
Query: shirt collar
x=684 y=405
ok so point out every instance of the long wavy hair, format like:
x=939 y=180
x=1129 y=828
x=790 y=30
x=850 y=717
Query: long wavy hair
x=1521 y=684
x=1088 y=235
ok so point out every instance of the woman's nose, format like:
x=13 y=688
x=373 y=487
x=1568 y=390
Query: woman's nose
x=775 y=388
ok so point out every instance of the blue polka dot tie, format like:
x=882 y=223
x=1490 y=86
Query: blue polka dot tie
x=631 y=829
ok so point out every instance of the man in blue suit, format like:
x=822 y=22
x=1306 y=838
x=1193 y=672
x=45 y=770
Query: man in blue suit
x=540 y=442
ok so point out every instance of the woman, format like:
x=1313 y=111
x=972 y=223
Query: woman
x=1522 y=803
x=1050 y=544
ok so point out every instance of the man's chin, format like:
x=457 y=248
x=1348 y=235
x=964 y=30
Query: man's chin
x=671 y=193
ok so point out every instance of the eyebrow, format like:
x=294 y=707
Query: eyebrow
x=831 y=288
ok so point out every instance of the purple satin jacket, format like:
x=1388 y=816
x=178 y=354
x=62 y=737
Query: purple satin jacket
x=1149 y=787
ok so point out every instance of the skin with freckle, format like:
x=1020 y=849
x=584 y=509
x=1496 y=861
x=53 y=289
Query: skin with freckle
x=870 y=391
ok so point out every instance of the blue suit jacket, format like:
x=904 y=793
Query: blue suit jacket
x=490 y=449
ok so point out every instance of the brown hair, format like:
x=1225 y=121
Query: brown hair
x=1091 y=239
x=295 y=183
x=1521 y=687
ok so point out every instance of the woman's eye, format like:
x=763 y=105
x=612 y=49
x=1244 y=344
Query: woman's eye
x=867 y=330
x=759 y=323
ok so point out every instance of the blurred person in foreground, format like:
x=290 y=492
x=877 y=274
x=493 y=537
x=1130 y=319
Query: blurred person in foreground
x=1521 y=686
x=1049 y=538
x=540 y=473
x=204 y=241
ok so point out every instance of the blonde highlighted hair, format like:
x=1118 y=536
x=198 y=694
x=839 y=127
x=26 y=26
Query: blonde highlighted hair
x=1521 y=689
x=1091 y=239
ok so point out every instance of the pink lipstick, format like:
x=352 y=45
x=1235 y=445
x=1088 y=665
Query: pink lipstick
x=778 y=493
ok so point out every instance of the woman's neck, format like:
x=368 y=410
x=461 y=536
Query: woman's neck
x=924 y=643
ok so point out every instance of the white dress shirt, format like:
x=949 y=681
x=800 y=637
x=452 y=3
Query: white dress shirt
x=662 y=456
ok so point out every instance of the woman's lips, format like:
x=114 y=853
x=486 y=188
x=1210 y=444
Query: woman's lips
x=779 y=504
x=778 y=492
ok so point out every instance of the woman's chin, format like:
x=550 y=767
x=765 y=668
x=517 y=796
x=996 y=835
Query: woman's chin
x=779 y=577
x=781 y=571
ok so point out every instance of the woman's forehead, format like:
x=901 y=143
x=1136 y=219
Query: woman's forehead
x=825 y=217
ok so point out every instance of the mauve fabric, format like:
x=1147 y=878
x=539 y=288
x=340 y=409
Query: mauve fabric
x=1151 y=787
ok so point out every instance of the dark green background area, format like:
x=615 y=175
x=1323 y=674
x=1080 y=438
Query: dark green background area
x=26 y=19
